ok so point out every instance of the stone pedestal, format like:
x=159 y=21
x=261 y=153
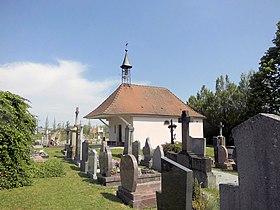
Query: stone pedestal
x=143 y=197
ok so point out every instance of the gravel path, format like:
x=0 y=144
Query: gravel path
x=222 y=177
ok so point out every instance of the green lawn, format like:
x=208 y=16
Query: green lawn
x=73 y=191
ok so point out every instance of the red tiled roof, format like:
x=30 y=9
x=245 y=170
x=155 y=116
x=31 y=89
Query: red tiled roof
x=141 y=100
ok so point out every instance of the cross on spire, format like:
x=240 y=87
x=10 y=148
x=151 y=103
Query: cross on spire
x=221 y=129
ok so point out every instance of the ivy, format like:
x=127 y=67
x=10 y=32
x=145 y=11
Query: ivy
x=16 y=128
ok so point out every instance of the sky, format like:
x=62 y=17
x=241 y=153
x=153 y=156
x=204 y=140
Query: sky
x=66 y=54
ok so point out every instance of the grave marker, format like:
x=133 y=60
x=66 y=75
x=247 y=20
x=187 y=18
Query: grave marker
x=257 y=142
x=92 y=164
x=136 y=147
x=147 y=152
x=158 y=154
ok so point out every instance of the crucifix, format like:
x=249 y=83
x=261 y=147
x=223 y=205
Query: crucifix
x=76 y=113
x=221 y=129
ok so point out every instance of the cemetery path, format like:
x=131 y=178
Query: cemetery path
x=222 y=177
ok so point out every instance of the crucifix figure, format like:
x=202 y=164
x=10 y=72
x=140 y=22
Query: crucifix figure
x=221 y=129
x=76 y=113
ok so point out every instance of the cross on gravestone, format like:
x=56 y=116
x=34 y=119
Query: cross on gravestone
x=76 y=115
x=128 y=140
x=221 y=129
x=185 y=120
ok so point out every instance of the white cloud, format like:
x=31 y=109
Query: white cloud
x=55 y=90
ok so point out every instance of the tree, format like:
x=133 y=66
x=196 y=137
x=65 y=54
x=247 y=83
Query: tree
x=16 y=128
x=47 y=124
x=227 y=105
x=265 y=84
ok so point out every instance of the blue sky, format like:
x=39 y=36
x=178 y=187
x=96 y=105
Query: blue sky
x=73 y=49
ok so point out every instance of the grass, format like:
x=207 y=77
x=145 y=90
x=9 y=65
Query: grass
x=72 y=191
x=212 y=197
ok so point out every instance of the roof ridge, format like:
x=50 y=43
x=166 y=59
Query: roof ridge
x=148 y=86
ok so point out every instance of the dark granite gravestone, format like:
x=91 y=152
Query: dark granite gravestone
x=176 y=186
x=136 y=147
x=257 y=142
x=105 y=162
x=92 y=164
x=84 y=161
x=148 y=153
x=129 y=172
x=135 y=194
x=158 y=154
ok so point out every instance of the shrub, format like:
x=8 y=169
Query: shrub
x=198 y=200
x=16 y=129
x=177 y=147
x=50 y=168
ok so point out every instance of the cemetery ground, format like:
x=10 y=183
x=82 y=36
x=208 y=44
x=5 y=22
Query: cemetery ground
x=74 y=190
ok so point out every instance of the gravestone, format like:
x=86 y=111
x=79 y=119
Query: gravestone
x=158 y=154
x=84 y=161
x=129 y=172
x=81 y=140
x=222 y=157
x=73 y=137
x=148 y=153
x=131 y=192
x=200 y=165
x=128 y=140
x=136 y=147
x=257 y=141
x=105 y=162
x=92 y=164
x=176 y=186
x=234 y=157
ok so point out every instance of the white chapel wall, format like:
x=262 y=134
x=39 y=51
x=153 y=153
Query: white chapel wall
x=155 y=129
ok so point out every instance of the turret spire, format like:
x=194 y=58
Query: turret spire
x=126 y=66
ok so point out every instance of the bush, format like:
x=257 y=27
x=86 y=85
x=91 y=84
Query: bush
x=198 y=200
x=16 y=128
x=177 y=147
x=50 y=168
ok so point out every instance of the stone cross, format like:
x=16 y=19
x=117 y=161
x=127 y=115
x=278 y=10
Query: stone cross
x=185 y=120
x=221 y=129
x=128 y=140
x=92 y=164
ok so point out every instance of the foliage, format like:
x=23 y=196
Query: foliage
x=198 y=201
x=16 y=128
x=265 y=84
x=228 y=104
x=177 y=147
x=50 y=168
